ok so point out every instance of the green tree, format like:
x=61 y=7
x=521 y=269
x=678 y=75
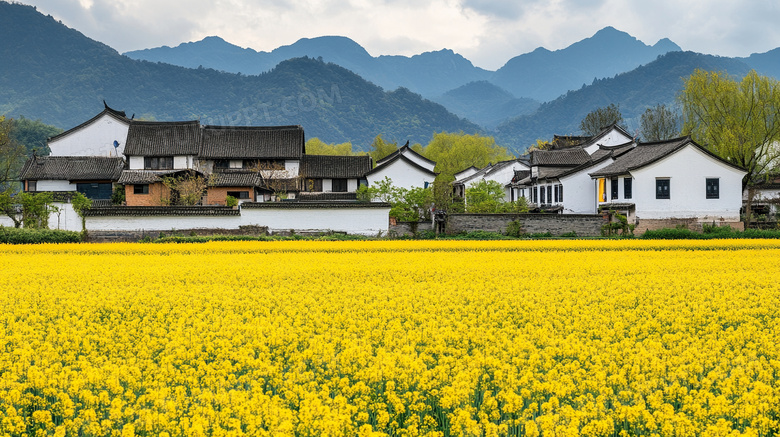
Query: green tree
x=10 y=207
x=33 y=134
x=381 y=148
x=600 y=118
x=186 y=190
x=454 y=152
x=737 y=120
x=315 y=146
x=81 y=204
x=659 y=123
x=36 y=208
x=12 y=156
x=484 y=197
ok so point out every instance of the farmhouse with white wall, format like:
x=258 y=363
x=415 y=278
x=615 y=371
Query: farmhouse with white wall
x=501 y=172
x=654 y=184
x=101 y=135
x=405 y=167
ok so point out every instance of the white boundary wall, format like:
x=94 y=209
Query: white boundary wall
x=358 y=220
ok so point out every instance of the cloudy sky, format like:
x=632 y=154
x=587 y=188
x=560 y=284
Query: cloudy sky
x=487 y=32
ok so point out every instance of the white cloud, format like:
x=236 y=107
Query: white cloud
x=488 y=32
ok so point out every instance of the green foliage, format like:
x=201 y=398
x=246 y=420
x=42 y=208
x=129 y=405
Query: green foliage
x=381 y=148
x=737 y=120
x=231 y=201
x=410 y=205
x=36 y=208
x=514 y=229
x=118 y=195
x=37 y=236
x=600 y=118
x=484 y=197
x=315 y=146
x=32 y=134
x=80 y=205
x=12 y=156
x=618 y=224
x=454 y=152
x=659 y=123
x=9 y=206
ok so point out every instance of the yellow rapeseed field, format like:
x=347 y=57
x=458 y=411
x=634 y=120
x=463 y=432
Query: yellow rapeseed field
x=396 y=338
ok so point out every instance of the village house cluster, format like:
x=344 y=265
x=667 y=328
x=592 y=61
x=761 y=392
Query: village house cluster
x=652 y=184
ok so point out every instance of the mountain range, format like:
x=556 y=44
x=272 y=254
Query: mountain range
x=540 y=75
x=337 y=90
x=56 y=74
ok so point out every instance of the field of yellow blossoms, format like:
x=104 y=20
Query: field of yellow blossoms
x=391 y=338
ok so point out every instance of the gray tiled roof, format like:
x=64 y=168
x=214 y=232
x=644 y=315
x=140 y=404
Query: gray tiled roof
x=234 y=179
x=405 y=149
x=319 y=197
x=641 y=155
x=252 y=142
x=144 y=176
x=330 y=166
x=559 y=158
x=151 y=138
x=118 y=211
x=72 y=168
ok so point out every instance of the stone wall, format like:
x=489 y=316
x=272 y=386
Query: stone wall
x=132 y=236
x=692 y=224
x=408 y=229
x=584 y=225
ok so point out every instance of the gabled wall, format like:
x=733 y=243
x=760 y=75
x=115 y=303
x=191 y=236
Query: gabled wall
x=94 y=139
x=403 y=174
x=687 y=171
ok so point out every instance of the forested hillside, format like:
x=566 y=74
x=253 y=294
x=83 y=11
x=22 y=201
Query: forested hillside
x=57 y=74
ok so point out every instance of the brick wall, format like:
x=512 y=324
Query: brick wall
x=157 y=193
x=585 y=225
x=217 y=195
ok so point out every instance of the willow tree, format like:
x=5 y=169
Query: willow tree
x=737 y=120
x=659 y=123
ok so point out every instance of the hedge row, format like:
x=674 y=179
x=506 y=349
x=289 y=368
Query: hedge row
x=37 y=236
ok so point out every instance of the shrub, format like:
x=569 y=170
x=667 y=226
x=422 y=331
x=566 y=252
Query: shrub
x=37 y=236
x=514 y=229
x=231 y=201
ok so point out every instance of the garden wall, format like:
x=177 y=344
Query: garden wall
x=584 y=225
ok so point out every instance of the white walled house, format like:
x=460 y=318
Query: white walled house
x=95 y=137
x=675 y=179
x=92 y=176
x=405 y=167
x=501 y=172
x=332 y=177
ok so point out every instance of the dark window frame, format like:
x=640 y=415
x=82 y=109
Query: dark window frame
x=628 y=188
x=712 y=187
x=560 y=193
x=32 y=186
x=158 y=162
x=549 y=195
x=239 y=194
x=660 y=192
x=342 y=187
x=140 y=188
x=221 y=163
x=542 y=193
x=614 y=189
